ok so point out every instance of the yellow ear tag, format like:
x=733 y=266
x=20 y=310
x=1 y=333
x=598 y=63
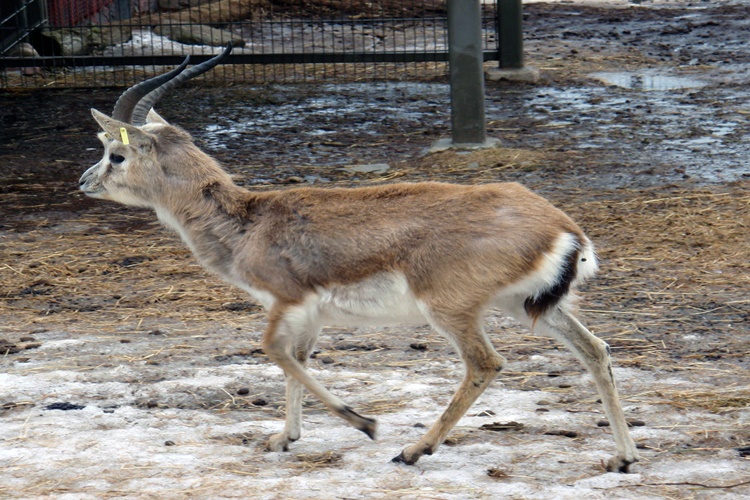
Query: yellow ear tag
x=124 y=135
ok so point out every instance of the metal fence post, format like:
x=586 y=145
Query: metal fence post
x=510 y=33
x=465 y=58
x=509 y=24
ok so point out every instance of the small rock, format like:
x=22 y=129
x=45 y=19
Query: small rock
x=8 y=347
x=243 y=391
x=497 y=473
x=497 y=426
x=312 y=179
x=64 y=406
x=25 y=50
x=293 y=179
x=631 y=423
x=568 y=434
x=374 y=168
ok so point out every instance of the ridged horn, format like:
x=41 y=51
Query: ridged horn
x=129 y=99
x=146 y=103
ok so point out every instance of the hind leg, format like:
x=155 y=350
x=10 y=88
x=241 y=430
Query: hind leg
x=482 y=365
x=594 y=354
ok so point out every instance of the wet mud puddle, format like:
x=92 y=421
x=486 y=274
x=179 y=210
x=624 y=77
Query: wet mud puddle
x=679 y=127
x=647 y=81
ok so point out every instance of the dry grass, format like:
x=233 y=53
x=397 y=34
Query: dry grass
x=313 y=461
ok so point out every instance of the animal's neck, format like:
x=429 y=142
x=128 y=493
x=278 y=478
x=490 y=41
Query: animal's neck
x=211 y=219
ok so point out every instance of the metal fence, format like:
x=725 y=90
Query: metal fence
x=89 y=43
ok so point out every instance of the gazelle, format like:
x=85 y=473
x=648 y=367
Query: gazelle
x=423 y=253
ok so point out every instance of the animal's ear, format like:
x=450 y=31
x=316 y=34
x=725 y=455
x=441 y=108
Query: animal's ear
x=154 y=117
x=123 y=132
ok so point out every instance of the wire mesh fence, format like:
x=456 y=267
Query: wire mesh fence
x=89 y=43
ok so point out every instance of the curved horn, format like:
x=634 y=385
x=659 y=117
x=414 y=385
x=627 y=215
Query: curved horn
x=129 y=99
x=146 y=103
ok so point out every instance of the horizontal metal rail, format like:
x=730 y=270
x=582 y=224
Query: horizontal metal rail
x=280 y=58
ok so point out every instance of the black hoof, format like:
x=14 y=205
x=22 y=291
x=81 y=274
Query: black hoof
x=365 y=424
x=401 y=459
x=370 y=428
x=270 y=449
x=621 y=466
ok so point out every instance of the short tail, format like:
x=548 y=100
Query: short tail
x=577 y=264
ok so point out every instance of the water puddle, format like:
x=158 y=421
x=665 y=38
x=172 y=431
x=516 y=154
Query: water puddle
x=698 y=134
x=331 y=124
x=646 y=81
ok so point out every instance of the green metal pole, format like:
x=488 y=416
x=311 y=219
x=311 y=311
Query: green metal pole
x=466 y=72
x=510 y=33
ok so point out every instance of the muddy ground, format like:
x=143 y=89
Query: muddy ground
x=129 y=372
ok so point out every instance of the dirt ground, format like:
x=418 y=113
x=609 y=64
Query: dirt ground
x=128 y=372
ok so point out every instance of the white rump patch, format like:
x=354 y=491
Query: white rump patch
x=587 y=263
x=548 y=270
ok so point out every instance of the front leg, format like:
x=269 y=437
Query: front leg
x=293 y=423
x=288 y=341
x=302 y=346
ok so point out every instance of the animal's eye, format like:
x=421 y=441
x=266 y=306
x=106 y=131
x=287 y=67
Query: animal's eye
x=113 y=158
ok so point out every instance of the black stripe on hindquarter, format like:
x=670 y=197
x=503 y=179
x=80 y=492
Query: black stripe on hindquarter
x=536 y=306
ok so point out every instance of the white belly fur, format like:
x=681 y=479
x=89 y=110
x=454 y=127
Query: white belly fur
x=380 y=300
